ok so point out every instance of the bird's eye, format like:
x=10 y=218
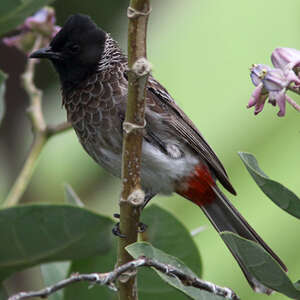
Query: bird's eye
x=74 y=48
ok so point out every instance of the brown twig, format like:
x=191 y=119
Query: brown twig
x=41 y=131
x=58 y=128
x=132 y=196
x=110 y=278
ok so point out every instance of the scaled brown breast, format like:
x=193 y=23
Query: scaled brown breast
x=92 y=107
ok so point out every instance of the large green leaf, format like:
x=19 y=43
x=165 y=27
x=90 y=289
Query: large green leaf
x=278 y=193
x=261 y=264
x=2 y=91
x=32 y=234
x=168 y=234
x=164 y=232
x=145 y=249
x=14 y=12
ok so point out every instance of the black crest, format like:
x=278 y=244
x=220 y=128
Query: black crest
x=79 y=46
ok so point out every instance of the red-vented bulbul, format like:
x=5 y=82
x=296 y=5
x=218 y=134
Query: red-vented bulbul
x=175 y=156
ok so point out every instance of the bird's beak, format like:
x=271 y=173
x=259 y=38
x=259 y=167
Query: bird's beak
x=45 y=53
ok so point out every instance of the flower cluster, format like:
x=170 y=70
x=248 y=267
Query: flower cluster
x=273 y=83
x=42 y=24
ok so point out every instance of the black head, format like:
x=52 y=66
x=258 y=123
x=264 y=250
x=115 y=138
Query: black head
x=75 y=51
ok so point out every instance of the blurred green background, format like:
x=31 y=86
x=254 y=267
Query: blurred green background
x=201 y=51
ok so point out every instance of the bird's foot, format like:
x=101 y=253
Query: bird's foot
x=142 y=227
x=116 y=215
x=116 y=229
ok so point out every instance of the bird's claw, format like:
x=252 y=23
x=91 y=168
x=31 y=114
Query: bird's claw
x=142 y=227
x=116 y=229
x=116 y=215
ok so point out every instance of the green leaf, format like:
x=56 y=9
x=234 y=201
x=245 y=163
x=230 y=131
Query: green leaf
x=52 y=273
x=167 y=234
x=2 y=91
x=261 y=264
x=71 y=197
x=14 y=12
x=145 y=249
x=32 y=234
x=278 y=193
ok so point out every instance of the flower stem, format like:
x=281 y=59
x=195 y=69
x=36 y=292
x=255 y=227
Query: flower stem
x=41 y=131
x=25 y=175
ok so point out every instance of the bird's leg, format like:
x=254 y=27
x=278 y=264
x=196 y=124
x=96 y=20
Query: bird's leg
x=148 y=197
x=141 y=228
x=116 y=230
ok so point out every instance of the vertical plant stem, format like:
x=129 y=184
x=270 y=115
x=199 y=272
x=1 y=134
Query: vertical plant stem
x=132 y=197
x=41 y=131
x=38 y=127
x=26 y=173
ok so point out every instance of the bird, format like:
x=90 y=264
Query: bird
x=176 y=158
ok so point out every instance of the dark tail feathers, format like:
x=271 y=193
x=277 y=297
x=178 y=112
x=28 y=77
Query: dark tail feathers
x=225 y=217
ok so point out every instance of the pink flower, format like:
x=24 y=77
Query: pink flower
x=42 y=23
x=283 y=58
x=272 y=83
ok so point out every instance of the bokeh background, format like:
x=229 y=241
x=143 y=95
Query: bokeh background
x=201 y=51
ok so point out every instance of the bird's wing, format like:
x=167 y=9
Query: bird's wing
x=185 y=128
